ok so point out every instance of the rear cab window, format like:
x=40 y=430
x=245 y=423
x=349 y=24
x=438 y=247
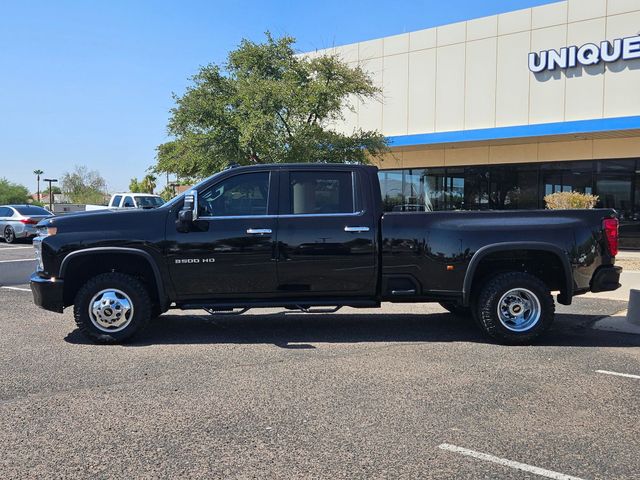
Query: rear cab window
x=115 y=202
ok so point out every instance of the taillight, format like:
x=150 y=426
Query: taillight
x=29 y=221
x=610 y=226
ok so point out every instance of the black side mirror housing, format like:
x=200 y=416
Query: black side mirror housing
x=189 y=211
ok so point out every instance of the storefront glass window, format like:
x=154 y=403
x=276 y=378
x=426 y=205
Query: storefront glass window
x=518 y=186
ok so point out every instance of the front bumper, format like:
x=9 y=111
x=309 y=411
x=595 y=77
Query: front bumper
x=606 y=279
x=47 y=293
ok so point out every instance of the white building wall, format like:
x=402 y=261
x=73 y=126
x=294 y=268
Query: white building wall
x=474 y=74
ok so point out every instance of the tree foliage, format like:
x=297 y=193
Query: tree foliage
x=84 y=186
x=146 y=185
x=12 y=192
x=267 y=104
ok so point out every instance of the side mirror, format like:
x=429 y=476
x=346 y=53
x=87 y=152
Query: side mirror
x=189 y=211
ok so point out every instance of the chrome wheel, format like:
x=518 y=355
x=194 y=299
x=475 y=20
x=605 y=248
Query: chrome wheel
x=111 y=310
x=519 y=310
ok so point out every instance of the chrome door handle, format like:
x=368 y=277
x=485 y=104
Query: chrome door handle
x=356 y=229
x=259 y=231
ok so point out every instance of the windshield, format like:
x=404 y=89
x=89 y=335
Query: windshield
x=32 y=210
x=149 y=202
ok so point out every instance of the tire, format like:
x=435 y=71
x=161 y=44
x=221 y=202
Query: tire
x=9 y=235
x=515 y=308
x=112 y=308
x=457 y=309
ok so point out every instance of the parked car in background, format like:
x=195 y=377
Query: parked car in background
x=135 y=200
x=19 y=221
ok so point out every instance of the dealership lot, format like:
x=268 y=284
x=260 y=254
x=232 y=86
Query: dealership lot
x=408 y=391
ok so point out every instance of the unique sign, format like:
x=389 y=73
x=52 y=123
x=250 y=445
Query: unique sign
x=588 y=54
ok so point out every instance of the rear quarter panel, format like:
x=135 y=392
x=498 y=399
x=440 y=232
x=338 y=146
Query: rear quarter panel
x=424 y=244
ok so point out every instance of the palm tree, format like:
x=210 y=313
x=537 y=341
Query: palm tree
x=37 y=173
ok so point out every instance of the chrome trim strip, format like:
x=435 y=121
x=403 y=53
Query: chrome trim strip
x=237 y=217
x=292 y=215
x=356 y=229
x=288 y=215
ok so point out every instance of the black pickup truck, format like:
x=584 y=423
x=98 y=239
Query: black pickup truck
x=314 y=236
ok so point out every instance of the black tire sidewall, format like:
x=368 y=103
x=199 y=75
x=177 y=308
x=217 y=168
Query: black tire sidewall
x=13 y=235
x=126 y=283
x=487 y=307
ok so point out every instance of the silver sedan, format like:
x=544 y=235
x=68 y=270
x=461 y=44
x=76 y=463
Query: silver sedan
x=19 y=221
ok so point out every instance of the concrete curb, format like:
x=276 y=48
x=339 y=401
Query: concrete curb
x=617 y=323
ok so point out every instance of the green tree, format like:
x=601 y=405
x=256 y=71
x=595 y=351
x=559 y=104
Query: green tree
x=12 y=192
x=267 y=104
x=84 y=186
x=146 y=185
x=134 y=185
x=37 y=173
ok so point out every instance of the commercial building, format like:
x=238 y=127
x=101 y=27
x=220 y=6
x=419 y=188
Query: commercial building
x=497 y=112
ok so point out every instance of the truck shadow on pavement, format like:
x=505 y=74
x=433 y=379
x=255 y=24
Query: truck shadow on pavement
x=299 y=331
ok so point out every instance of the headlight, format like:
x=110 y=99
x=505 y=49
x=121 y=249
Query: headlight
x=45 y=230
x=37 y=246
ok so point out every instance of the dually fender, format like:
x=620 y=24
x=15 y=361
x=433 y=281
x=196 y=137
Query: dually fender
x=126 y=250
x=566 y=294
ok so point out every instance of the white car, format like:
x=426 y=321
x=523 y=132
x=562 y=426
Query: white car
x=135 y=200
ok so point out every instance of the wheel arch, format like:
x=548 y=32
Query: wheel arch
x=142 y=257
x=566 y=288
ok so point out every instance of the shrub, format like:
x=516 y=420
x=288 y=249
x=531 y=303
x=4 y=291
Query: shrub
x=570 y=200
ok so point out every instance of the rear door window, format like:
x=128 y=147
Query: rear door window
x=128 y=202
x=321 y=192
x=5 y=212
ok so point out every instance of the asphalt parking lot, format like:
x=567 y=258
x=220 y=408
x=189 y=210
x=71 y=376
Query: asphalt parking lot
x=408 y=391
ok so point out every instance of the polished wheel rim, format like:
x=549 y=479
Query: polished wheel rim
x=519 y=310
x=8 y=235
x=111 y=310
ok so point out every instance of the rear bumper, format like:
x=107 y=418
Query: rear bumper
x=606 y=279
x=47 y=293
x=25 y=232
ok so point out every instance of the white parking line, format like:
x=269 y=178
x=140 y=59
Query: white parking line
x=19 y=260
x=17 y=288
x=7 y=247
x=507 y=463
x=628 y=375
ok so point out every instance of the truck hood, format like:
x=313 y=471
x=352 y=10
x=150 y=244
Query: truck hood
x=106 y=220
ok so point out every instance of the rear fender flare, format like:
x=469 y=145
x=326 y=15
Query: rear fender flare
x=566 y=294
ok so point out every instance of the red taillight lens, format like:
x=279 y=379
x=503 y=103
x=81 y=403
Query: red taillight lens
x=29 y=221
x=611 y=232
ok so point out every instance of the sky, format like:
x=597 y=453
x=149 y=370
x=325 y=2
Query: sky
x=91 y=82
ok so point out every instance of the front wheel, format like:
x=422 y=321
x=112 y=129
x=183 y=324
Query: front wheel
x=112 y=307
x=515 y=308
